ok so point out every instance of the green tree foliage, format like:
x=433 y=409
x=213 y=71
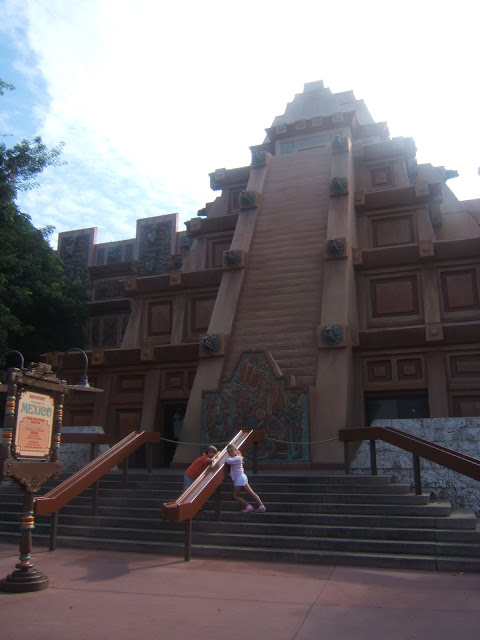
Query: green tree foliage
x=39 y=309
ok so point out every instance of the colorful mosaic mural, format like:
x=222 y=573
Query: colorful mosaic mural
x=256 y=397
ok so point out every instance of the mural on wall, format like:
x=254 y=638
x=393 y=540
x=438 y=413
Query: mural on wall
x=155 y=248
x=257 y=397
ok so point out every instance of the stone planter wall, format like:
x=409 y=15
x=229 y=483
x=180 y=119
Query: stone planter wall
x=459 y=434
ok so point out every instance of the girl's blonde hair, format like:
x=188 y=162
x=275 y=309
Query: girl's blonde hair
x=236 y=450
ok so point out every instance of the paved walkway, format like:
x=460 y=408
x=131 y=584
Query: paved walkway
x=101 y=595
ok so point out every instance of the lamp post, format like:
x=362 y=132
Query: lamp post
x=82 y=384
x=29 y=453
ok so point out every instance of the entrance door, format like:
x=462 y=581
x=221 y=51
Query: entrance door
x=397 y=407
x=173 y=414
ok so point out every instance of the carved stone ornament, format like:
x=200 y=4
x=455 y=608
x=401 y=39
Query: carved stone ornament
x=210 y=343
x=338 y=186
x=186 y=242
x=335 y=248
x=259 y=158
x=247 y=199
x=340 y=144
x=232 y=258
x=331 y=335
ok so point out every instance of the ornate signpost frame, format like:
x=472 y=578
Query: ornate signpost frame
x=29 y=454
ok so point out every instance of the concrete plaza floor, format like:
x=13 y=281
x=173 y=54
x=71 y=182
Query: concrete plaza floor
x=101 y=595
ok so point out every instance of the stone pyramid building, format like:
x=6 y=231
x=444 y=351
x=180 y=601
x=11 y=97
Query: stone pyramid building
x=331 y=282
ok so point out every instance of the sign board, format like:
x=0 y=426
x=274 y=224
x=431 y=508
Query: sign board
x=34 y=425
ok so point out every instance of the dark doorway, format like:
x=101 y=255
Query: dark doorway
x=398 y=407
x=173 y=415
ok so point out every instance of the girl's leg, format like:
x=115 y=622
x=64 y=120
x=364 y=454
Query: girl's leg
x=237 y=497
x=254 y=495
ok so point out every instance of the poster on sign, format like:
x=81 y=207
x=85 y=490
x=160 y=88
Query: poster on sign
x=34 y=425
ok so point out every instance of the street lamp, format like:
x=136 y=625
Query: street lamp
x=82 y=384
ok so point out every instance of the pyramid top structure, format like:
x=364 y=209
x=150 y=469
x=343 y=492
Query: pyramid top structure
x=316 y=100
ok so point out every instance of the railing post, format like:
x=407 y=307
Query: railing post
x=255 y=458
x=96 y=487
x=125 y=472
x=373 y=458
x=188 y=540
x=149 y=456
x=218 y=502
x=417 y=475
x=52 y=544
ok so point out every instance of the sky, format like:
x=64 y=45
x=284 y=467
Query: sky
x=150 y=97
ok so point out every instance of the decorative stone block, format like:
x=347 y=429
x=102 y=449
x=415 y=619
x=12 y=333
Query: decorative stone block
x=337 y=117
x=212 y=344
x=336 y=248
x=426 y=249
x=332 y=335
x=176 y=279
x=98 y=357
x=281 y=128
x=317 y=121
x=147 y=354
x=433 y=332
x=195 y=224
x=220 y=174
x=259 y=158
x=130 y=285
x=248 y=199
x=339 y=186
x=233 y=259
x=300 y=124
x=340 y=144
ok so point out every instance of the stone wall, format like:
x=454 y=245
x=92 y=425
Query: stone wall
x=459 y=434
x=75 y=456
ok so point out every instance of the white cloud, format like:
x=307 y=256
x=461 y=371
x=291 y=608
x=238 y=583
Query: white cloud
x=150 y=97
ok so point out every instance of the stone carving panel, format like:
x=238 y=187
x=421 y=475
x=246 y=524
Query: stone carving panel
x=216 y=247
x=155 y=247
x=394 y=296
x=256 y=397
x=201 y=309
x=159 y=323
x=464 y=367
x=460 y=290
x=74 y=252
x=130 y=384
x=393 y=230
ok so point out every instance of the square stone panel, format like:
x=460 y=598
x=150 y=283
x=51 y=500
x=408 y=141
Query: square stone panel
x=159 y=318
x=130 y=384
x=460 y=290
x=379 y=371
x=174 y=380
x=201 y=312
x=465 y=366
x=466 y=406
x=410 y=369
x=394 y=296
x=393 y=231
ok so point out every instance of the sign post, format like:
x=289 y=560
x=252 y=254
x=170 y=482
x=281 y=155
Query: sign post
x=29 y=454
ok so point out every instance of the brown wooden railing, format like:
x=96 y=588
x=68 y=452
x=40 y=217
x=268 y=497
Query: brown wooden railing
x=73 y=486
x=420 y=448
x=192 y=500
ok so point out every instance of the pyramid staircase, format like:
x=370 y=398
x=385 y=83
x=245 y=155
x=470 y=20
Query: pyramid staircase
x=369 y=521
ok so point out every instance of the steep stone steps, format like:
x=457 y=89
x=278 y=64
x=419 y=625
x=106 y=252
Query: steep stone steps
x=350 y=520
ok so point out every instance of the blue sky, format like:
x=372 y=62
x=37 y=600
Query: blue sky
x=150 y=98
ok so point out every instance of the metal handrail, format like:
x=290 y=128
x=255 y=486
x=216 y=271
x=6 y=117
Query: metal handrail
x=419 y=447
x=81 y=480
